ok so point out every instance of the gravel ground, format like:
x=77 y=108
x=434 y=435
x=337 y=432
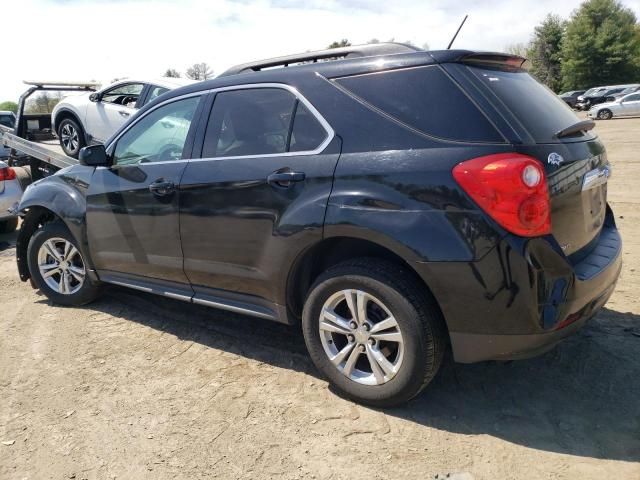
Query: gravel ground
x=140 y=387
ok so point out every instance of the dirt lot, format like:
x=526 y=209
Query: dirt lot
x=139 y=387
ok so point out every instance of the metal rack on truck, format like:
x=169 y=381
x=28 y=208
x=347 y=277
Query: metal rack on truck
x=33 y=143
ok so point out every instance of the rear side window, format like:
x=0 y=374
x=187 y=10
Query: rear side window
x=307 y=134
x=425 y=99
x=260 y=121
x=536 y=107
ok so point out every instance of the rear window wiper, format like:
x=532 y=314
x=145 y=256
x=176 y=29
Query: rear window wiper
x=581 y=126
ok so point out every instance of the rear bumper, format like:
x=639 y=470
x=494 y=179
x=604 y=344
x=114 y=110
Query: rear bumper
x=472 y=347
x=523 y=297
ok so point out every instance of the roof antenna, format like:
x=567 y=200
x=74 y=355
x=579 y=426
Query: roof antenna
x=457 y=32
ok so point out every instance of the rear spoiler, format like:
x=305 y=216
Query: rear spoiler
x=496 y=59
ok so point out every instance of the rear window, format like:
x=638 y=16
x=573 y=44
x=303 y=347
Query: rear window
x=536 y=107
x=7 y=120
x=424 y=99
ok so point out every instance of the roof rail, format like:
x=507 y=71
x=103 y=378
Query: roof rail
x=369 y=50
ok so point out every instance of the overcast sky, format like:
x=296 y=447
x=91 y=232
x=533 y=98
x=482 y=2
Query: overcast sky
x=99 y=39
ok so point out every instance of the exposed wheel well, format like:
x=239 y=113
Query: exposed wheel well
x=34 y=219
x=331 y=252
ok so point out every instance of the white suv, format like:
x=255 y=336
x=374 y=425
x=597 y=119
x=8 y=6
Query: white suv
x=94 y=116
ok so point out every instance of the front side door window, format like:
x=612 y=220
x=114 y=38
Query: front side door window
x=126 y=95
x=158 y=137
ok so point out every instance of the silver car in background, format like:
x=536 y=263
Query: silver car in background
x=7 y=119
x=627 y=106
x=10 y=194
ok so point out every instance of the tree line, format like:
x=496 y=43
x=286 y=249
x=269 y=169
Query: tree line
x=598 y=45
x=197 y=71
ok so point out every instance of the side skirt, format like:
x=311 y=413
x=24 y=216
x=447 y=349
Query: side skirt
x=232 y=302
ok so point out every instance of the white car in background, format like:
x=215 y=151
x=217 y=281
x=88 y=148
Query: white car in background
x=627 y=106
x=93 y=117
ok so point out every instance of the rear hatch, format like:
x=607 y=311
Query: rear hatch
x=573 y=157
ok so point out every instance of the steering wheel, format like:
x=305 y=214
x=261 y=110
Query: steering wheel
x=169 y=152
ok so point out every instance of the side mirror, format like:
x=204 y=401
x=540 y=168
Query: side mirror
x=94 y=97
x=94 y=156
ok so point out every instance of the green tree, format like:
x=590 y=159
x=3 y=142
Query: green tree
x=172 y=73
x=601 y=46
x=545 y=52
x=342 y=43
x=199 y=71
x=9 y=106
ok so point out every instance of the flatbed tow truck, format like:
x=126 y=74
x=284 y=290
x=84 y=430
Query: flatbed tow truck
x=35 y=150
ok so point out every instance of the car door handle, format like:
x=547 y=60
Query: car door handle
x=162 y=188
x=286 y=178
x=124 y=113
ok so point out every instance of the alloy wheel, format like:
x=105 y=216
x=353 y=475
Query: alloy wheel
x=61 y=266
x=361 y=337
x=604 y=115
x=69 y=137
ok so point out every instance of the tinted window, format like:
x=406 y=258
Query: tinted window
x=126 y=95
x=159 y=136
x=426 y=99
x=7 y=120
x=154 y=92
x=249 y=122
x=536 y=107
x=307 y=133
x=631 y=98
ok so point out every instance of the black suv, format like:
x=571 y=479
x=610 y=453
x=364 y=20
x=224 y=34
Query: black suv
x=391 y=200
x=571 y=98
x=597 y=98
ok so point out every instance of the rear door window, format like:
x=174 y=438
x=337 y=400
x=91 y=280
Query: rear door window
x=538 y=109
x=260 y=121
x=425 y=99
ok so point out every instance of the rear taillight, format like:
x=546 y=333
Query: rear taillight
x=7 y=173
x=511 y=188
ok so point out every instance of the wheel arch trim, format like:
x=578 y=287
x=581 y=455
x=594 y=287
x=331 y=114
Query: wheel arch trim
x=59 y=200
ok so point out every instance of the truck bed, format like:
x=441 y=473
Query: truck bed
x=47 y=151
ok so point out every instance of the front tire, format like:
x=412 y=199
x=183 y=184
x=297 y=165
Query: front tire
x=71 y=137
x=373 y=331
x=58 y=268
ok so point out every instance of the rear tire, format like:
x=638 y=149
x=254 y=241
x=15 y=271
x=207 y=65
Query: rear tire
x=605 y=114
x=58 y=268
x=410 y=345
x=8 y=226
x=71 y=136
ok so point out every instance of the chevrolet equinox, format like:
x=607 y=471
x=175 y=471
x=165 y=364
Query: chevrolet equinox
x=394 y=202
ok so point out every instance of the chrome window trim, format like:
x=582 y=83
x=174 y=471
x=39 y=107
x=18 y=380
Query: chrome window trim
x=250 y=86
